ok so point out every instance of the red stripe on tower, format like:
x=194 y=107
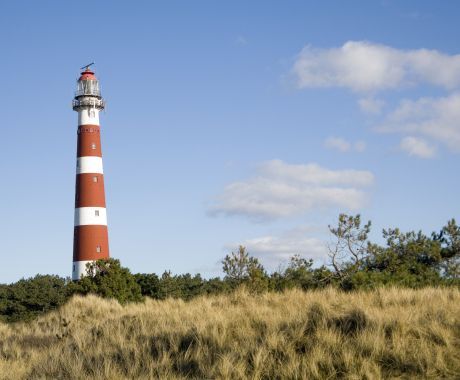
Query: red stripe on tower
x=90 y=241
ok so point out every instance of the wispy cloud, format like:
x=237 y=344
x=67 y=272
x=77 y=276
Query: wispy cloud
x=418 y=147
x=344 y=146
x=371 y=105
x=368 y=67
x=276 y=249
x=437 y=119
x=282 y=190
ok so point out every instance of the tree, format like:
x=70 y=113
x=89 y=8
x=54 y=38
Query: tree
x=409 y=259
x=191 y=286
x=31 y=297
x=240 y=268
x=349 y=250
x=107 y=278
x=149 y=284
x=449 y=238
x=299 y=273
x=215 y=286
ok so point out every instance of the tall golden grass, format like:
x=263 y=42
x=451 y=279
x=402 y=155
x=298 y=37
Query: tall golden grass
x=325 y=334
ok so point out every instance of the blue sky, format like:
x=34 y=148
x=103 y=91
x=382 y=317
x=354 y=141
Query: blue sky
x=239 y=123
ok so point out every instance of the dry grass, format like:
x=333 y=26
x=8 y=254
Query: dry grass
x=326 y=334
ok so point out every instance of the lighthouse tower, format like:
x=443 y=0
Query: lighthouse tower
x=90 y=241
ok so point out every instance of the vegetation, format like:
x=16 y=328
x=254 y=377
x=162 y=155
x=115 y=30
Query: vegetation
x=29 y=298
x=412 y=260
x=319 y=334
x=110 y=280
x=376 y=311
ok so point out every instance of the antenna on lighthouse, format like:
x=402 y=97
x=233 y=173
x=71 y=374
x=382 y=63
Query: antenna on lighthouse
x=87 y=66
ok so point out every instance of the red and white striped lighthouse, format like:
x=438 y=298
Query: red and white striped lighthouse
x=90 y=241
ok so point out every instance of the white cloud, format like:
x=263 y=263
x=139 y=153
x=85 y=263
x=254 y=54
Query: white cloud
x=363 y=66
x=415 y=146
x=434 y=118
x=344 y=146
x=284 y=190
x=371 y=105
x=338 y=143
x=360 y=146
x=274 y=250
x=315 y=174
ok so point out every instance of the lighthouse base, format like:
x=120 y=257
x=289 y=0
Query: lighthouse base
x=79 y=269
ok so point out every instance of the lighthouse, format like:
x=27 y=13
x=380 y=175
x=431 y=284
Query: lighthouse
x=90 y=240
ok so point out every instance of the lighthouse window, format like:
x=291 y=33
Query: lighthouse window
x=94 y=179
x=96 y=212
x=98 y=248
x=93 y=146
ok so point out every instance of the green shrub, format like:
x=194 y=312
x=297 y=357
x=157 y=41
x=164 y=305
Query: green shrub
x=108 y=279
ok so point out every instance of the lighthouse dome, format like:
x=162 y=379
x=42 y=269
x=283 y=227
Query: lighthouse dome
x=87 y=75
x=88 y=85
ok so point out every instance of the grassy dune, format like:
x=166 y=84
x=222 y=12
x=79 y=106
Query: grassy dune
x=388 y=333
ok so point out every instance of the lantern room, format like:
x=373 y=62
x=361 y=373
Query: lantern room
x=88 y=85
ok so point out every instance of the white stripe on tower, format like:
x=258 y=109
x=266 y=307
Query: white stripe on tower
x=86 y=216
x=79 y=269
x=89 y=164
x=89 y=116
